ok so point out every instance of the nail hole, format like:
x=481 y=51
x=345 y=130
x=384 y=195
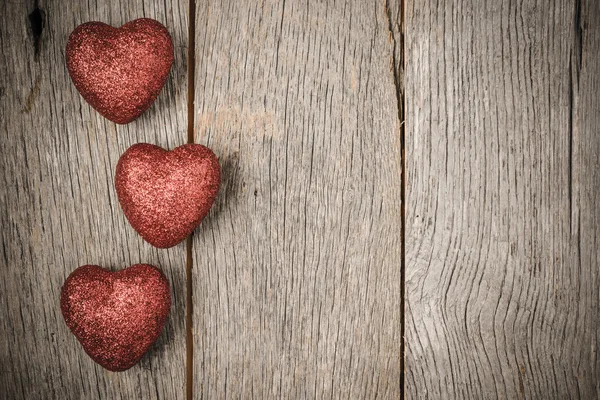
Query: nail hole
x=36 y=23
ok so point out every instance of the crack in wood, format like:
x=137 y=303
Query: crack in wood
x=578 y=33
x=575 y=67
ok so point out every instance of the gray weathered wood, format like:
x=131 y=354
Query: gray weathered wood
x=297 y=270
x=59 y=209
x=503 y=228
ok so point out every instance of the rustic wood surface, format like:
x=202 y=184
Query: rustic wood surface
x=297 y=270
x=503 y=201
x=59 y=209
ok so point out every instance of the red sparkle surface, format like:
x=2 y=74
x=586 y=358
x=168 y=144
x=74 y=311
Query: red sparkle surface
x=120 y=71
x=116 y=316
x=166 y=194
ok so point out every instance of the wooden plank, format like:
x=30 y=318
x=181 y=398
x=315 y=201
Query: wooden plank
x=502 y=199
x=297 y=270
x=59 y=209
x=586 y=185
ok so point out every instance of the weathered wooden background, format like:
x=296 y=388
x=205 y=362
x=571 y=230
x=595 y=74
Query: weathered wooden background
x=420 y=167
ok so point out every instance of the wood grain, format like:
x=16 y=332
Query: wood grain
x=297 y=269
x=59 y=209
x=502 y=199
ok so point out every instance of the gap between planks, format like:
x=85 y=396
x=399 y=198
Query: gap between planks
x=398 y=69
x=189 y=337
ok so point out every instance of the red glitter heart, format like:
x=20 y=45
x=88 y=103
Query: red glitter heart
x=116 y=316
x=166 y=194
x=120 y=71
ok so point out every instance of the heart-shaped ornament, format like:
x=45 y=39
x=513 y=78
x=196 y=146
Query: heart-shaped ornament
x=116 y=316
x=166 y=194
x=120 y=71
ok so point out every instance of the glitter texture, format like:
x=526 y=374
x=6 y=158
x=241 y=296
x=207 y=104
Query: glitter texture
x=116 y=316
x=166 y=194
x=120 y=71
